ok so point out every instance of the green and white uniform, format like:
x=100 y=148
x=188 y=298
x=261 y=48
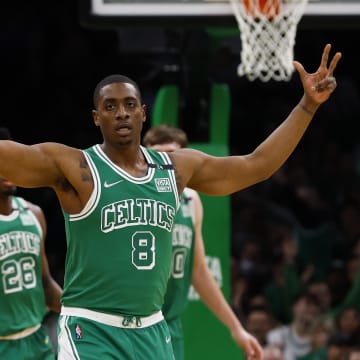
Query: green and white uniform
x=118 y=258
x=22 y=301
x=176 y=298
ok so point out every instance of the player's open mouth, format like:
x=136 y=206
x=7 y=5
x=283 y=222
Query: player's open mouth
x=123 y=131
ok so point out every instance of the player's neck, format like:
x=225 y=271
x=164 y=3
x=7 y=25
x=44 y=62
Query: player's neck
x=6 y=205
x=131 y=160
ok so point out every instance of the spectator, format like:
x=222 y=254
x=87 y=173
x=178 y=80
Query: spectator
x=295 y=338
x=348 y=322
x=259 y=322
x=319 y=339
x=320 y=289
x=338 y=346
x=288 y=278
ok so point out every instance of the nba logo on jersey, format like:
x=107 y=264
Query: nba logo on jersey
x=78 y=332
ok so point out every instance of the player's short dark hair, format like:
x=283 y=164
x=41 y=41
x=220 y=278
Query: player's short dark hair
x=5 y=133
x=165 y=134
x=111 y=79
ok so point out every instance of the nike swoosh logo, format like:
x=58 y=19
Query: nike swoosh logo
x=107 y=185
x=168 y=339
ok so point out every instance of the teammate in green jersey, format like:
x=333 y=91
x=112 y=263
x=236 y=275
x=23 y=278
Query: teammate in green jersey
x=27 y=289
x=189 y=264
x=134 y=225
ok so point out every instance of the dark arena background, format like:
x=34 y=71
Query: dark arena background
x=54 y=53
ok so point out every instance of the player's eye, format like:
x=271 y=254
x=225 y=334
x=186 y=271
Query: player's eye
x=131 y=104
x=110 y=107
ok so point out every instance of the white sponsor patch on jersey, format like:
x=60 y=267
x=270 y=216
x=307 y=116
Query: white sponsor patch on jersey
x=26 y=219
x=163 y=185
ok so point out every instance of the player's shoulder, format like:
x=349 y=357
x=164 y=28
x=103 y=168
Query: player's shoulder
x=55 y=146
x=188 y=156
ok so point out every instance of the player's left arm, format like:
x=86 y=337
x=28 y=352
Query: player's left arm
x=215 y=175
x=211 y=294
x=52 y=289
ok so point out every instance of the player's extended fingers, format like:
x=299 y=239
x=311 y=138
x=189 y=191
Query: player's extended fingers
x=299 y=68
x=325 y=56
x=334 y=63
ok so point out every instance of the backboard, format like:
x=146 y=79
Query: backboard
x=197 y=13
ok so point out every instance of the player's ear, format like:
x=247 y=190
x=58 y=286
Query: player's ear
x=95 y=117
x=144 y=112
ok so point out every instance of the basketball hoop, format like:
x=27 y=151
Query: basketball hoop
x=267 y=32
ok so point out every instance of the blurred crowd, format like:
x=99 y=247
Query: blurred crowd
x=296 y=254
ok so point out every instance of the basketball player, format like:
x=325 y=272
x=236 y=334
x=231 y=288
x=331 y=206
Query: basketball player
x=26 y=288
x=119 y=201
x=189 y=264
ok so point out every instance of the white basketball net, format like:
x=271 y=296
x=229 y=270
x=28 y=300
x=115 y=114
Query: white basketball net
x=267 y=32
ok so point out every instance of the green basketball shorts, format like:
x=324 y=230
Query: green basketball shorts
x=177 y=337
x=89 y=335
x=35 y=346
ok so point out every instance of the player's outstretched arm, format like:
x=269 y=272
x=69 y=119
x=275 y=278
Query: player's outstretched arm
x=225 y=175
x=30 y=165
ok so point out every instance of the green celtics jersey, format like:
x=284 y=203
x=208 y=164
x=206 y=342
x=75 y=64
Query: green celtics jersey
x=182 y=260
x=22 y=301
x=119 y=247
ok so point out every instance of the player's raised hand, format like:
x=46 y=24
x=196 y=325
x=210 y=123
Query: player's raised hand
x=318 y=86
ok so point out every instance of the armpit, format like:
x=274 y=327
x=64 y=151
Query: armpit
x=85 y=170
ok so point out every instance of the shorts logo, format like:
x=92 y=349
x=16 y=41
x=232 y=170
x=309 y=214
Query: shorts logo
x=78 y=332
x=168 y=339
x=163 y=185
